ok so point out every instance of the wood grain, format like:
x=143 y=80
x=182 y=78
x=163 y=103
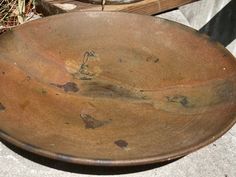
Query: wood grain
x=113 y=89
x=148 y=7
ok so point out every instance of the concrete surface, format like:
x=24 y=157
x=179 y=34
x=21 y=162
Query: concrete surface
x=215 y=160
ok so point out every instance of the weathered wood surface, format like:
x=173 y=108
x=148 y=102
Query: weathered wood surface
x=112 y=89
x=148 y=7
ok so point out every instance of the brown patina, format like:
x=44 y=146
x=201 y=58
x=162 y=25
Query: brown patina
x=113 y=89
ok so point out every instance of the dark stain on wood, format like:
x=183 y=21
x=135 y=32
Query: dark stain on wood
x=85 y=78
x=68 y=87
x=121 y=143
x=183 y=100
x=152 y=59
x=43 y=91
x=84 y=72
x=103 y=89
x=225 y=91
x=89 y=54
x=26 y=79
x=121 y=60
x=92 y=123
x=2 y=107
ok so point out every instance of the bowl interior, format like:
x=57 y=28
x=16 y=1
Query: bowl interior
x=113 y=88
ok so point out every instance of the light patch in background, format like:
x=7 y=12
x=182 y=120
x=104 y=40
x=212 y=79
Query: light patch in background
x=175 y=15
x=201 y=12
x=197 y=14
x=232 y=47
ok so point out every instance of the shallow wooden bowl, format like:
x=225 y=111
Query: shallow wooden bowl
x=113 y=89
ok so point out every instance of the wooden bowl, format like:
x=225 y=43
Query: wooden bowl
x=113 y=89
